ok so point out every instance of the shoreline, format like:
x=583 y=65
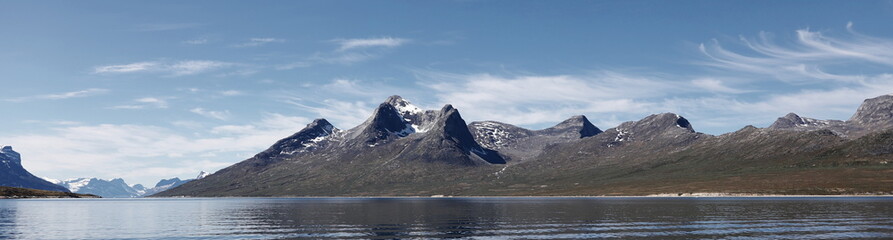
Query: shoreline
x=662 y=195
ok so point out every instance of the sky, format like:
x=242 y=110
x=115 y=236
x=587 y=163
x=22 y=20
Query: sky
x=161 y=89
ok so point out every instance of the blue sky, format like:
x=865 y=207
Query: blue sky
x=163 y=89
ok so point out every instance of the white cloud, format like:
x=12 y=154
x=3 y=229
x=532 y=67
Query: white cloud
x=199 y=41
x=256 y=42
x=194 y=67
x=156 y=27
x=293 y=65
x=356 y=43
x=342 y=114
x=715 y=85
x=534 y=100
x=344 y=58
x=59 y=96
x=127 y=68
x=146 y=153
x=141 y=103
x=805 y=59
x=179 y=68
x=221 y=115
x=231 y=93
x=349 y=51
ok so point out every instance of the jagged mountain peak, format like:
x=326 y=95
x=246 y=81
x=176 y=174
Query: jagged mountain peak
x=202 y=174
x=664 y=124
x=661 y=121
x=874 y=112
x=792 y=120
x=403 y=106
x=788 y=121
x=385 y=123
x=579 y=124
x=10 y=155
x=449 y=131
x=308 y=138
x=321 y=123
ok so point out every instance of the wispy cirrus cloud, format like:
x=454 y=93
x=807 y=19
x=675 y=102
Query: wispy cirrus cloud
x=536 y=100
x=59 y=96
x=146 y=102
x=716 y=86
x=358 y=43
x=817 y=75
x=220 y=115
x=256 y=42
x=230 y=93
x=178 y=68
x=807 y=58
x=349 y=51
x=127 y=68
x=157 y=27
x=198 y=41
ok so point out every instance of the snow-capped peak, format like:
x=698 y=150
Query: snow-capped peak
x=75 y=184
x=54 y=181
x=403 y=106
x=202 y=174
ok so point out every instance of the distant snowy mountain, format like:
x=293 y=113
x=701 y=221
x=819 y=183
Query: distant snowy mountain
x=166 y=184
x=117 y=188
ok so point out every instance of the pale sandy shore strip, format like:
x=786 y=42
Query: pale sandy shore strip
x=663 y=195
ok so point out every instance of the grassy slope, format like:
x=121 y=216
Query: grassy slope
x=747 y=161
x=14 y=192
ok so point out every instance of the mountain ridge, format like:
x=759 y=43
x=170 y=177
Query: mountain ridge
x=402 y=150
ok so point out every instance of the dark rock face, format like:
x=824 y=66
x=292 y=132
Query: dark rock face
x=386 y=124
x=450 y=141
x=12 y=174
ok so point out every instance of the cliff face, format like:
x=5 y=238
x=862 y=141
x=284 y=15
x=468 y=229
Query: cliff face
x=12 y=174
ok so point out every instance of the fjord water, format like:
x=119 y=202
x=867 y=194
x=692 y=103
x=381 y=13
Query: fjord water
x=478 y=218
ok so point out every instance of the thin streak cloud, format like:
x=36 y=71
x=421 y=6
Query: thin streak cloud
x=59 y=96
x=358 y=43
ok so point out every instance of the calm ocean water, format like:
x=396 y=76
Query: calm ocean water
x=474 y=218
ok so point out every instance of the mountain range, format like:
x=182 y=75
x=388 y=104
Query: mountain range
x=118 y=188
x=402 y=150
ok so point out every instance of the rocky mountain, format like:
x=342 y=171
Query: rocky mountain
x=404 y=150
x=520 y=144
x=875 y=114
x=118 y=188
x=115 y=188
x=12 y=174
x=164 y=185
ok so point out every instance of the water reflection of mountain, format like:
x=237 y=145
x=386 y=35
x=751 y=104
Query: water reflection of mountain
x=384 y=218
